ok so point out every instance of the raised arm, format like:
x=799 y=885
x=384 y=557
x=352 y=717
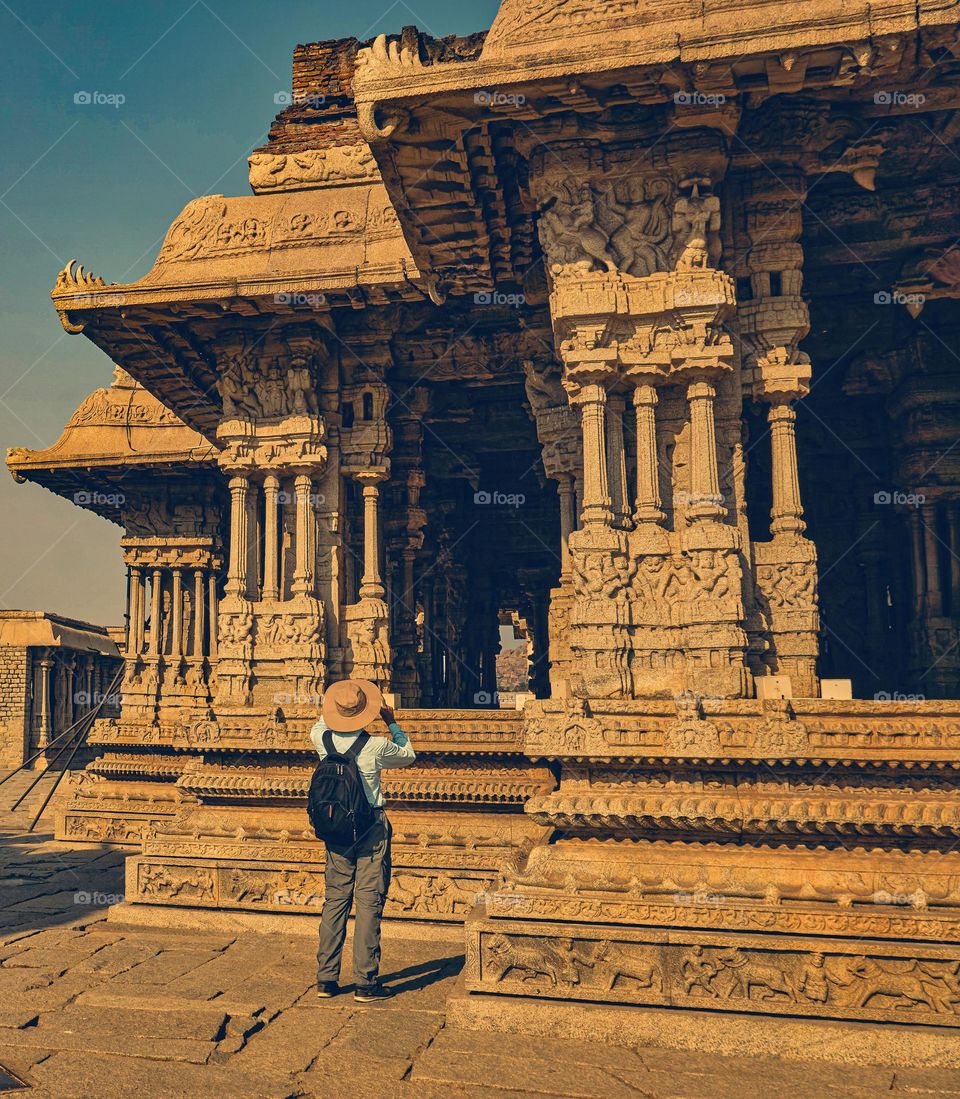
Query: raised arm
x=316 y=735
x=398 y=752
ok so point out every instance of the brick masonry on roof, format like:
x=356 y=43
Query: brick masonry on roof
x=322 y=113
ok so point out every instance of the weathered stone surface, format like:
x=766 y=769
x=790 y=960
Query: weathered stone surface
x=628 y=324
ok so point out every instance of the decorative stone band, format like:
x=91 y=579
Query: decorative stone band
x=437 y=893
x=692 y=968
x=767 y=887
x=745 y=730
x=478 y=733
x=507 y=788
x=752 y=811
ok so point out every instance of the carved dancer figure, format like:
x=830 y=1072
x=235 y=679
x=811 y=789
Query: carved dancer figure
x=699 y=971
x=696 y=223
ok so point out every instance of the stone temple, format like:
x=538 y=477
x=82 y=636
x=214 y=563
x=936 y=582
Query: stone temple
x=634 y=322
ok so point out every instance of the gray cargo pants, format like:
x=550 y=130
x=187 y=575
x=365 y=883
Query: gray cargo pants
x=362 y=873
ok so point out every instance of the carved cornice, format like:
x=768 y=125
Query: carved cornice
x=752 y=812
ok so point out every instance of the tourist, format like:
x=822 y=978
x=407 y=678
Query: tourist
x=360 y=869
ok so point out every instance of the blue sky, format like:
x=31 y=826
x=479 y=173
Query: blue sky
x=103 y=182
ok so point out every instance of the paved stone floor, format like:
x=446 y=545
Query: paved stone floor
x=90 y=1008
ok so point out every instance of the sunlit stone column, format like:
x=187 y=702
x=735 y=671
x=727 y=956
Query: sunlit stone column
x=597 y=510
x=237 y=572
x=137 y=607
x=567 y=494
x=155 y=610
x=176 y=609
x=617 y=459
x=371 y=584
x=46 y=665
x=786 y=513
x=706 y=502
x=212 y=600
x=271 y=544
x=648 y=504
x=305 y=541
x=253 y=541
x=198 y=615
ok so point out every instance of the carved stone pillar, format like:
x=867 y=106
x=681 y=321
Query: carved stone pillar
x=371 y=584
x=786 y=567
x=212 y=598
x=917 y=563
x=953 y=529
x=706 y=502
x=46 y=664
x=648 y=503
x=271 y=543
x=305 y=536
x=617 y=460
x=176 y=644
x=69 y=690
x=237 y=573
x=786 y=514
x=137 y=607
x=568 y=503
x=156 y=606
x=934 y=596
x=253 y=541
x=597 y=510
x=198 y=614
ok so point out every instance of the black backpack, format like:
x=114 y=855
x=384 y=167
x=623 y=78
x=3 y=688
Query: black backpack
x=337 y=803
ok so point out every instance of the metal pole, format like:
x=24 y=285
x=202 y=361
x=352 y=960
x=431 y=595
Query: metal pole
x=42 y=751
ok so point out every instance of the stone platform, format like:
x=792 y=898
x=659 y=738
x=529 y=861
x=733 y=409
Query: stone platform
x=95 y=1007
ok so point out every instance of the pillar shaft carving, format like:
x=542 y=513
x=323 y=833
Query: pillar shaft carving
x=648 y=503
x=786 y=514
x=705 y=500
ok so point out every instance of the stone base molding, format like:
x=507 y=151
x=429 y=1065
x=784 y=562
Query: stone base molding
x=672 y=966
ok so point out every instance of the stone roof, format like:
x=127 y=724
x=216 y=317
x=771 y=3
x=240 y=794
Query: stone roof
x=116 y=431
x=119 y=425
x=34 y=629
x=320 y=223
x=649 y=30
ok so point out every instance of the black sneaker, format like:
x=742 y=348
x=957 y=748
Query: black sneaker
x=371 y=994
x=326 y=989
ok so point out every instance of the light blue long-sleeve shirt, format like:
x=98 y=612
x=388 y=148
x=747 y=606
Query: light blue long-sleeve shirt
x=377 y=754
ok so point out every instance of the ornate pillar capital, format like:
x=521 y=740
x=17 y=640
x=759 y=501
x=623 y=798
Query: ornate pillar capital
x=780 y=380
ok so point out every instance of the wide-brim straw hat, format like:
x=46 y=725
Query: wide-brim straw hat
x=350 y=705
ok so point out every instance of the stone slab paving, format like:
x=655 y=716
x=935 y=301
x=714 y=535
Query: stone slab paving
x=91 y=1009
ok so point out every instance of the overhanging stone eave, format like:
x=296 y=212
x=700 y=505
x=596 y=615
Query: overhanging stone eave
x=70 y=480
x=109 y=465
x=397 y=103
x=75 y=307
x=37 y=629
x=112 y=322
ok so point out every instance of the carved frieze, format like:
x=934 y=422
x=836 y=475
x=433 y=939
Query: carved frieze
x=332 y=167
x=701 y=970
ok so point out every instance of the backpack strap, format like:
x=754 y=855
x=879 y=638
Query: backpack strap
x=357 y=746
x=328 y=742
